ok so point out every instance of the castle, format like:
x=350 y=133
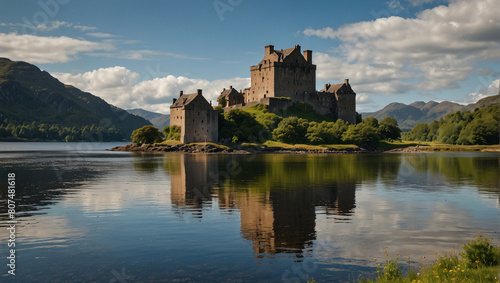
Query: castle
x=280 y=75
x=198 y=120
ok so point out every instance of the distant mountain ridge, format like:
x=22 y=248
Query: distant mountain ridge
x=158 y=120
x=421 y=112
x=28 y=94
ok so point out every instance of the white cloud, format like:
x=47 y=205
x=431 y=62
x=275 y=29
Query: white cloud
x=433 y=51
x=142 y=55
x=84 y=28
x=38 y=49
x=101 y=34
x=52 y=25
x=121 y=87
x=363 y=99
x=44 y=27
x=492 y=89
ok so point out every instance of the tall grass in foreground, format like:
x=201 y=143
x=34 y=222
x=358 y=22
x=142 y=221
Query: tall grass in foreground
x=478 y=262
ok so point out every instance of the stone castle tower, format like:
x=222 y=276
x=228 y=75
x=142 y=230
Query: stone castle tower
x=198 y=120
x=282 y=73
x=291 y=73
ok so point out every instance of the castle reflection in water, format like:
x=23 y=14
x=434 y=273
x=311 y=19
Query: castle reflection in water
x=277 y=212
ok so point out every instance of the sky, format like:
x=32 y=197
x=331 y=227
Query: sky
x=140 y=54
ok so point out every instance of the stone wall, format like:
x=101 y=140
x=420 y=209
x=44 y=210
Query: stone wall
x=346 y=107
x=201 y=122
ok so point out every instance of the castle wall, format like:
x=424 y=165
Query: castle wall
x=347 y=107
x=201 y=122
x=177 y=118
x=291 y=80
x=262 y=78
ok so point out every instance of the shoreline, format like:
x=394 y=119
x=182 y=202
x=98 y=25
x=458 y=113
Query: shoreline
x=213 y=149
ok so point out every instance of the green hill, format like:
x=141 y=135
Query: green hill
x=158 y=120
x=420 y=112
x=28 y=95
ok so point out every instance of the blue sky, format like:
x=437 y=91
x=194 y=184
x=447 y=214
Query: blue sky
x=141 y=54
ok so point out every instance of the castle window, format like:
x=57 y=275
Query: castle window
x=202 y=121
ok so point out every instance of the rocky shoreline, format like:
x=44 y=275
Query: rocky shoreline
x=209 y=148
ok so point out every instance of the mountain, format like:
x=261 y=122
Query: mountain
x=420 y=112
x=158 y=120
x=161 y=122
x=148 y=115
x=28 y=94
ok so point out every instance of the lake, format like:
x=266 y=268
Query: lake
x=89 y=215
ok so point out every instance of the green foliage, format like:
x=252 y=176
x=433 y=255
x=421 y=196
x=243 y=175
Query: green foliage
x=147 y=134
x=172 y=133
x=291 y=130
x=361 y=134
x=388 y=129
x=326 y=132
x=257 y=124
x=305 y=111
x=269 y=120
x=359 y=118
x=478 y=263
x=57 y=132
x=371 y=121
x=223 y=102
x=464 y=128
x=240 y=126
x=480 y=252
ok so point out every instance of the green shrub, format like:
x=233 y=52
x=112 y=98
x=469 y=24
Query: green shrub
x=147 y=134
x=172 y=132
x=480 y=252
x=291 y=130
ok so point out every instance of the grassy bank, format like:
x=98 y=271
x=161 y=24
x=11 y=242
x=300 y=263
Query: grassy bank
x=478 y=261
x=434 y=146
x=385 y=145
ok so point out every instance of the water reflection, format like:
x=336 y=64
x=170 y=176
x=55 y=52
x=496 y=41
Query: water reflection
x=279 y=196
x=190 y=216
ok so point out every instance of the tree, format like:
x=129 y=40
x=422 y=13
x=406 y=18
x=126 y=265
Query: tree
x=326 y=132
x=223 y=102
x=147 y=134
x=240 y=126
x=291 y=130
x=388 y=129
x=359 y=118
x=361 y=134
x=172 y=132
x=418 y=133
x=371 y=121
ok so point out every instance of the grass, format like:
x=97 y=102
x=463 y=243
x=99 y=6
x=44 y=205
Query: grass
x=434 y=146
x=168 y=142
x=452 y=147
x=308 y=146
x=386 y=145
x=478 y=262
x=208 y=143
